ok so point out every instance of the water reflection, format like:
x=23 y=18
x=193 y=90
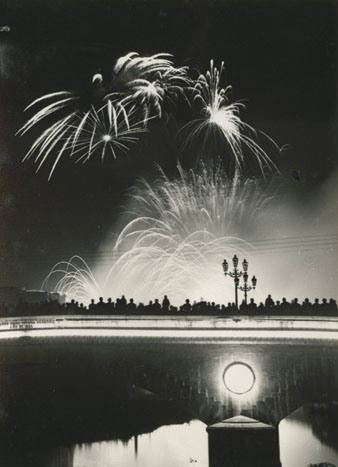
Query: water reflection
x=169 y=446
x=182 y=445
x=300 y=444
x=58 y=457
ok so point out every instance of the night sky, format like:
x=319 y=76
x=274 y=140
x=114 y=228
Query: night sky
x=280 y=57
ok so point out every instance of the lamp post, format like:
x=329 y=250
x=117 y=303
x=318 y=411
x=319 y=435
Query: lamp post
x=236 y=274
x=246 y=288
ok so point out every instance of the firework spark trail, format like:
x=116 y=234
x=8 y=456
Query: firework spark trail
x=221 y=118
x=110 y=117
x=180 y=231
x=74 y=279
x=132 y=67
x=148 y=83
x=109 y=129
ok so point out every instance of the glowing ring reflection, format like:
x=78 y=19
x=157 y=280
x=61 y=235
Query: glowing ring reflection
x=239 y=378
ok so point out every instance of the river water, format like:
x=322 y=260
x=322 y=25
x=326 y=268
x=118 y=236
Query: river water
x=174 y=446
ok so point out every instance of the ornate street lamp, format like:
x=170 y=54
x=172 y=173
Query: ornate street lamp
x=236 y=274
x=247 y=288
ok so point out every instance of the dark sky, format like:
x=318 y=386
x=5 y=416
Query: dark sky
x=281 y=57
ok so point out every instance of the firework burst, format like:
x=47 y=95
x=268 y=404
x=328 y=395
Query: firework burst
x=178 y=233
x=108 y=118
x=106 y=130
x=222 y=119
x=132 y=67
x=149 y=83
x=74 y=279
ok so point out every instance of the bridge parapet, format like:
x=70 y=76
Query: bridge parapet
x=181 y=328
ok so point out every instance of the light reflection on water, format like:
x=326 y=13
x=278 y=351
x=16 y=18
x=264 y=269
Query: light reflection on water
x=169 y=446
x=183 y=445
x=299 y=447
x=187 y=445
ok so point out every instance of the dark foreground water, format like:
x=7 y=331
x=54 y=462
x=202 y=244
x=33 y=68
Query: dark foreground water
x=173 y=446
x=71 y=407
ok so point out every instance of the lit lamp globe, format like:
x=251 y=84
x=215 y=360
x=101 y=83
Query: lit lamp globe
x=239 y=378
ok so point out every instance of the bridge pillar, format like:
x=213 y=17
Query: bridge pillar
x=241 y=441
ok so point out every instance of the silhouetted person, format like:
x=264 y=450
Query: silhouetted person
x=100 y=306
x=243 y=307
x=156 y=306
x=150 y=307
x=118 y=306
x=252 y=307
x=307 y=303
x=231 y=308
x=165 y=303
x=140 y=308
x=72 y=308
x=324 y=306
x=261 y=308
x=131 y=307
x=110 y=306
x=269 y=303
x=295 y=306
x=333 y=306
x=91 y=306
x=186 y=308
x=173 y=309
x=284 y=304
x=316 y=306
x=123 y=303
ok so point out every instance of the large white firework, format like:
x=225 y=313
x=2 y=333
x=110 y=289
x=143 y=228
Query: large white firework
x=107 y=118
x=179 y=232
x=220 y=118
x=150 y=84
x=107 y=130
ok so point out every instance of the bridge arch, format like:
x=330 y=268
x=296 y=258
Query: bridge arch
x=305 y=376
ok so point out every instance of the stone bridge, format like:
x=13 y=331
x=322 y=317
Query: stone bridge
x=288 y=376
x=294 y=360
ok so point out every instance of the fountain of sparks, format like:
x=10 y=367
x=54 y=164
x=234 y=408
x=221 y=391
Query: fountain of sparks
x=173 y=244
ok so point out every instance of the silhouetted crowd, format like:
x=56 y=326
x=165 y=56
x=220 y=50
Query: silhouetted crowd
x=123 y=306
